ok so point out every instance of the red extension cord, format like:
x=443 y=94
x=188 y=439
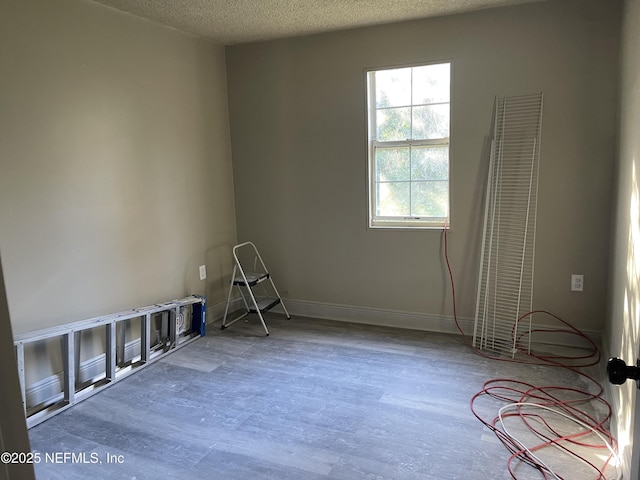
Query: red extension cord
x=552 y=399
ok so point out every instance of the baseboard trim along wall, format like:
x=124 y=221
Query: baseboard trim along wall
x=216 y=312
x=48 y=387
x=51 y=387
x=400 y=319
x=378 y=316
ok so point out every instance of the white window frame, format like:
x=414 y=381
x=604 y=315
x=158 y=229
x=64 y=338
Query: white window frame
x=401 y=222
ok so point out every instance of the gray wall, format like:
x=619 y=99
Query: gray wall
x=297 y=113
x=115 y=156
x=623 y=326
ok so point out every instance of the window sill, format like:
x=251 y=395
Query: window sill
x=409 y=226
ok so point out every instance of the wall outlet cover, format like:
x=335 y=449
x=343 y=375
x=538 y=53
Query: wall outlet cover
x=577 y=283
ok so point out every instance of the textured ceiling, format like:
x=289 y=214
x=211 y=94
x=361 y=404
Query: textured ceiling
x=242 y=21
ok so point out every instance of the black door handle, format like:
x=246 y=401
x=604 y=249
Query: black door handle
x=618 y=371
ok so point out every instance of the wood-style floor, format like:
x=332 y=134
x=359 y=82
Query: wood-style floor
x=315 y=400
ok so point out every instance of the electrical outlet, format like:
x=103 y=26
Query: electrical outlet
x=203 y=272
x=577 y=283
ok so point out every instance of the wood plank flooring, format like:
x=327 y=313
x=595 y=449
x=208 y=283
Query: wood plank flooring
x=315 y=400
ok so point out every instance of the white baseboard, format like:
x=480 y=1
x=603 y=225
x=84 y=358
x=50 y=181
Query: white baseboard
x=355 y=314
x=376 y=316
x=43 y=390
x=403 y=319
x=51 y=386
x=216 y=312
x=419 y=321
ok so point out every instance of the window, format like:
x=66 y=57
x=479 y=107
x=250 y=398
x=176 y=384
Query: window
x=409 y=119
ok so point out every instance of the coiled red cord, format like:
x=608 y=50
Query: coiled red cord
x=564 y=400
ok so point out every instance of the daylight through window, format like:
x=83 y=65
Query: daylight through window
x=409 y=119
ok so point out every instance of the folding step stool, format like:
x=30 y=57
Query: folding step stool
x=244 y=280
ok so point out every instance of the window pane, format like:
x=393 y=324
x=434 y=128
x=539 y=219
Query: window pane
x=429 y=199
x=430 y=163
x=431 y=84
x=393 y=199
x=393 y=87
x=392 y=164
x=431 y=122
x=393 y=124
x=409 y=165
